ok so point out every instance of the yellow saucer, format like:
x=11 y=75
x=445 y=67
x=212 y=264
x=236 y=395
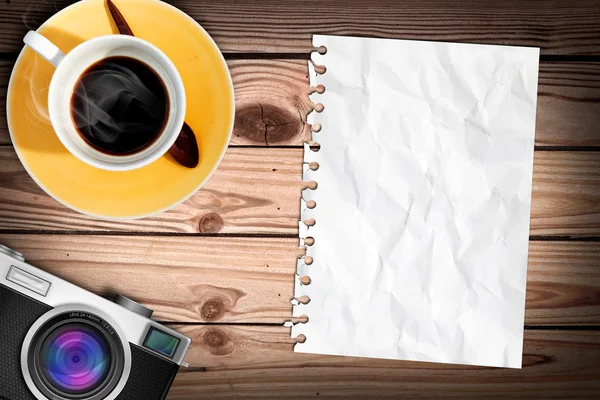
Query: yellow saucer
x=148 y=190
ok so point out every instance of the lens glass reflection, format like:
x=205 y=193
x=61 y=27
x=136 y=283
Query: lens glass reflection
x=75 y=358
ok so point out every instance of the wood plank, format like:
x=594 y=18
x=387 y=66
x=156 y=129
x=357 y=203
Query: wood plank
x=566 y=194
x=563 y=283
x=233 y=280
x=258 y=363
x=558 y=27
x=185 y=279
x=568 y=108
x=272 y=103
x=257 y=191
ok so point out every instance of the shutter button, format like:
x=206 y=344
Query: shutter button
x=133 y=306
x=11 y=253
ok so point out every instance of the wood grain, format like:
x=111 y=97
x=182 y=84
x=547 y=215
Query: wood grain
x=566 y=194
x=225 y=281
x=563 y=283
x=5 y=70
x=272 y=103
x=185 y=279
x=257 y=191
x=557 y=26
x=568 y=108
x=233 y=280
x=258 y=363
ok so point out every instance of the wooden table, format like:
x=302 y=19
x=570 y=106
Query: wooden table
x=220 y=267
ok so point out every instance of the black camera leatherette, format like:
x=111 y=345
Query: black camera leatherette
x=17 y=314
x=150 y=377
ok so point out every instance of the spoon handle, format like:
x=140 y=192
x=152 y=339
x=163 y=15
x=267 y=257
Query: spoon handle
x=122 y=25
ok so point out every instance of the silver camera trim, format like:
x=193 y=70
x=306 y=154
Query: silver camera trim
x=66 y=309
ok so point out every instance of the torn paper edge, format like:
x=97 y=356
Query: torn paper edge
x=310 y=177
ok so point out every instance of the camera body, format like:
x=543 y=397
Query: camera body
x=61 y=342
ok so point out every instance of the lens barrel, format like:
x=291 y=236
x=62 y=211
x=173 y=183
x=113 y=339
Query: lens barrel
x=76 y=355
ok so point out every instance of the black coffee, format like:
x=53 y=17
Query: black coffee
x=119 y=106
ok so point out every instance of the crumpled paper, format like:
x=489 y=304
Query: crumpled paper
x=423 y=201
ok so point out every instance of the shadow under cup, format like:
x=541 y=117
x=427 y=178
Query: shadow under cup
x=126 y=76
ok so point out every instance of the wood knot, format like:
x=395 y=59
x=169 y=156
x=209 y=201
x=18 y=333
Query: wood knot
x=214 y=302
x=217 y=342
x=211 y=223
x=266 y=124
x=212 y=310
x=537 y=359
x=248 y=125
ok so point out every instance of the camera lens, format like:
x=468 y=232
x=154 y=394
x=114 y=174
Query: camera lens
x=75 y=358
x=76 y=355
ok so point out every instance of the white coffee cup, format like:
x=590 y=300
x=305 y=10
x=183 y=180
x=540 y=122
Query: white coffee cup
x=69 y=69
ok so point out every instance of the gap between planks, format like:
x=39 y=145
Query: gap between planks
x=306 y=56
x=292 y=146
x=149 y=234
x=526 y=327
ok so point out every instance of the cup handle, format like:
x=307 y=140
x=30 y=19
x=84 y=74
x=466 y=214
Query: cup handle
x=44 y=47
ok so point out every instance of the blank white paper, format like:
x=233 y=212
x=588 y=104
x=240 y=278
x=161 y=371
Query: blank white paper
x=423 y=201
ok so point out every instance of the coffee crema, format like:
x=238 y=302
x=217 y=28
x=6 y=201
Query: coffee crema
x=119 y=106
